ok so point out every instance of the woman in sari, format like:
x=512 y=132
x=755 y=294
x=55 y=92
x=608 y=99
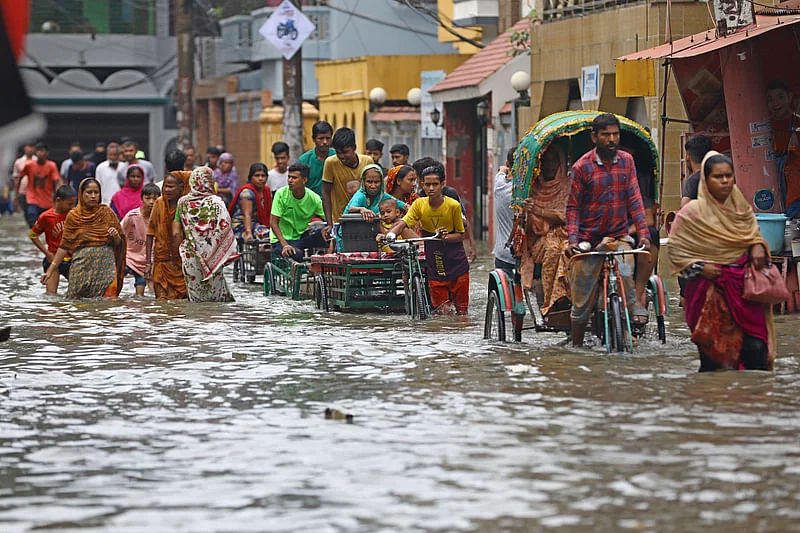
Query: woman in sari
x=251 y=206
x=712 y=240
x=94 y=239
x=546 y=233
x=129 y=197
x=368 y=198
x=401 y=182
x=163 y=257
x=203 y=228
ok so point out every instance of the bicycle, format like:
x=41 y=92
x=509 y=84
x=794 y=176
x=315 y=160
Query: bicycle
x=418 y=304
x=616 y=332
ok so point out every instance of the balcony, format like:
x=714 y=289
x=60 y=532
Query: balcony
x=553 y=10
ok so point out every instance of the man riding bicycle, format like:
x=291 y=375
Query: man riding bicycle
x=604 y=195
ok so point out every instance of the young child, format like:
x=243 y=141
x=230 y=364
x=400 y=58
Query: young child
x=448 y=267
x=279 y=176
x=352 y=187
x=134 y=226
x=390 y=214
x=51 y=223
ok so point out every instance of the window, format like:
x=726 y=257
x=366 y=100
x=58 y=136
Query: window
x=256 y=109
x=245 y=38
x=321 y=24
x=244 y=111
x=233 y=111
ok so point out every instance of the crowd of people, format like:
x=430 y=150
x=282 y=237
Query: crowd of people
x=107 y=218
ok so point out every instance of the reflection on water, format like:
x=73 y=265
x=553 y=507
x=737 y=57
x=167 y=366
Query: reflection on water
x=136 y=414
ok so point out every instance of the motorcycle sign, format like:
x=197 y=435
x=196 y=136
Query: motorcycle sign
x=287 y=28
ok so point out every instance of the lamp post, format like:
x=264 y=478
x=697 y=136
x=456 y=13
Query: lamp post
x=520 y=82
x=435 y=116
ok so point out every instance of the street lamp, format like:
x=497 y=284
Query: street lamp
x=482 y=110
x=377 y=96
x=435 y=116
x=520 y=82
x=414 y=96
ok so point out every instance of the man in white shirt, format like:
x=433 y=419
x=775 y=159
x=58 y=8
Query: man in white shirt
x=65 y=164
x=129 y=150
x=107 y=172
x=279 y=176
x=504 y=216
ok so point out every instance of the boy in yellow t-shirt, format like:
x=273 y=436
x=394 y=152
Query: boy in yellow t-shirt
x=448 y=267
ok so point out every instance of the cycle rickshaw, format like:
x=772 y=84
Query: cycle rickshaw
x=571 y=130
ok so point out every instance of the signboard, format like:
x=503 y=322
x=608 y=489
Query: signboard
x=286 y=29
x=764 y=199
x=590 y=83
x=429 y=78
x=731 y=15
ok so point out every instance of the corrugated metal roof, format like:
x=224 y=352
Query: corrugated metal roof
x=483 y=64
x=704 y=42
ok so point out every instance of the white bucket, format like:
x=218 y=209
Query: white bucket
x=796 y=247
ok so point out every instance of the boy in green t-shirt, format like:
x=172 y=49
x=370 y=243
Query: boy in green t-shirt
x=294 y=207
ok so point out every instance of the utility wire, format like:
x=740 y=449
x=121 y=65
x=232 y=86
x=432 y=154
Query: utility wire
x=379 y=21
x=437 y=17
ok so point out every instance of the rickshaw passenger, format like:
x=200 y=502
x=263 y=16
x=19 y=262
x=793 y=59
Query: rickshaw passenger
x=603 y=195
x=504 y=216
x=251 y=206
x=390 y=215
x=293 y=209
x=546 y=235
x=369 y=197
x=646 y=262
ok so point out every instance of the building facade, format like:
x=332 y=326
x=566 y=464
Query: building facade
x=103 y=70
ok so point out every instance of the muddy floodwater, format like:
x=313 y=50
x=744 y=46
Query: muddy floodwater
x=141 y=415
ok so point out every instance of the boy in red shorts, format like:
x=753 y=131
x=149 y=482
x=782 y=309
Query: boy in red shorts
x=448 y=267
x=51 y=223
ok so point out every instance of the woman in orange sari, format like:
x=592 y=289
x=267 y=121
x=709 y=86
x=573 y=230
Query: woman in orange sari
x=546 y=232
x=401 y=183
x=163 y=256
x=94 y=239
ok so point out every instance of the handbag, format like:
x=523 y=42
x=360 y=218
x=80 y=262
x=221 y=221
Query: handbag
x=765 y=286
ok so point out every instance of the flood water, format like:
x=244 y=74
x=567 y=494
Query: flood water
x=141 y=415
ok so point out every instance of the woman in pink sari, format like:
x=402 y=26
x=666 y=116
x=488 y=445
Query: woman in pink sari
x=129 y=197
x=713 y=238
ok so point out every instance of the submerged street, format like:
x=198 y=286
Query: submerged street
x=137 y=414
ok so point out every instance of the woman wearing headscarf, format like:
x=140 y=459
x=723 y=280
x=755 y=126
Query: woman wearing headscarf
x=368 y=198
x=203 y=228
x=713 y=238
x=546 y=232
x=129 y=197
x=226 y=177
x=163 y=257
x=401 y=182
x=94 y=239
x=251 y=206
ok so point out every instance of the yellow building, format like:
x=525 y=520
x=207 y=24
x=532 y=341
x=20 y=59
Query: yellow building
x=344 y=84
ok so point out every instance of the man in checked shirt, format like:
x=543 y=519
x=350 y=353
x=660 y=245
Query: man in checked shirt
x=604 y=196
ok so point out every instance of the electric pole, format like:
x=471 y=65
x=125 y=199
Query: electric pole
x=293 y=100
x=183 y=88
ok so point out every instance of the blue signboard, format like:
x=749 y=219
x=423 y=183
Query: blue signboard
x=764 y=199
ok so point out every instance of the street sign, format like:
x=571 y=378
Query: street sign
x=429 y=78
x=286 y=29
x=590 y=83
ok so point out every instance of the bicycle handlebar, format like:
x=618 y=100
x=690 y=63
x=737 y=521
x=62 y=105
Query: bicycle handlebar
x=583 y=255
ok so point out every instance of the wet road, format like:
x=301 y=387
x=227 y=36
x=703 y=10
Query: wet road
x=138 y=415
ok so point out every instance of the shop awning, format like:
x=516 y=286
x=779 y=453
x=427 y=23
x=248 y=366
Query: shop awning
x=396 y=114
x=636 y=71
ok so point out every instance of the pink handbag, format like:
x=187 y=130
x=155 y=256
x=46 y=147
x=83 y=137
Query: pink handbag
x=765 y=286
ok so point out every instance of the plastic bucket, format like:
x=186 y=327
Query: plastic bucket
x=772 y=226
x=796 y=248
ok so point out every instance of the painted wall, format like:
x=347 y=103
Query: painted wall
x=460 y=124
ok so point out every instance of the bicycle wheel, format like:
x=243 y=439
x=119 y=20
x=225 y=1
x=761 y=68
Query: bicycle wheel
x=616 y=325
x=421 y=310
x=655 y=321
x=494 y=324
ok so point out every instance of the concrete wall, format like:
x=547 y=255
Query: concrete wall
x=560 y=49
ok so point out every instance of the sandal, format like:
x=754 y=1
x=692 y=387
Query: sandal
x=639 y=315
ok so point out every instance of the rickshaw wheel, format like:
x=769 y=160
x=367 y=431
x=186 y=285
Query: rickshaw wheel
x=269 y=280
x=494 y=324
x=321 y=294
